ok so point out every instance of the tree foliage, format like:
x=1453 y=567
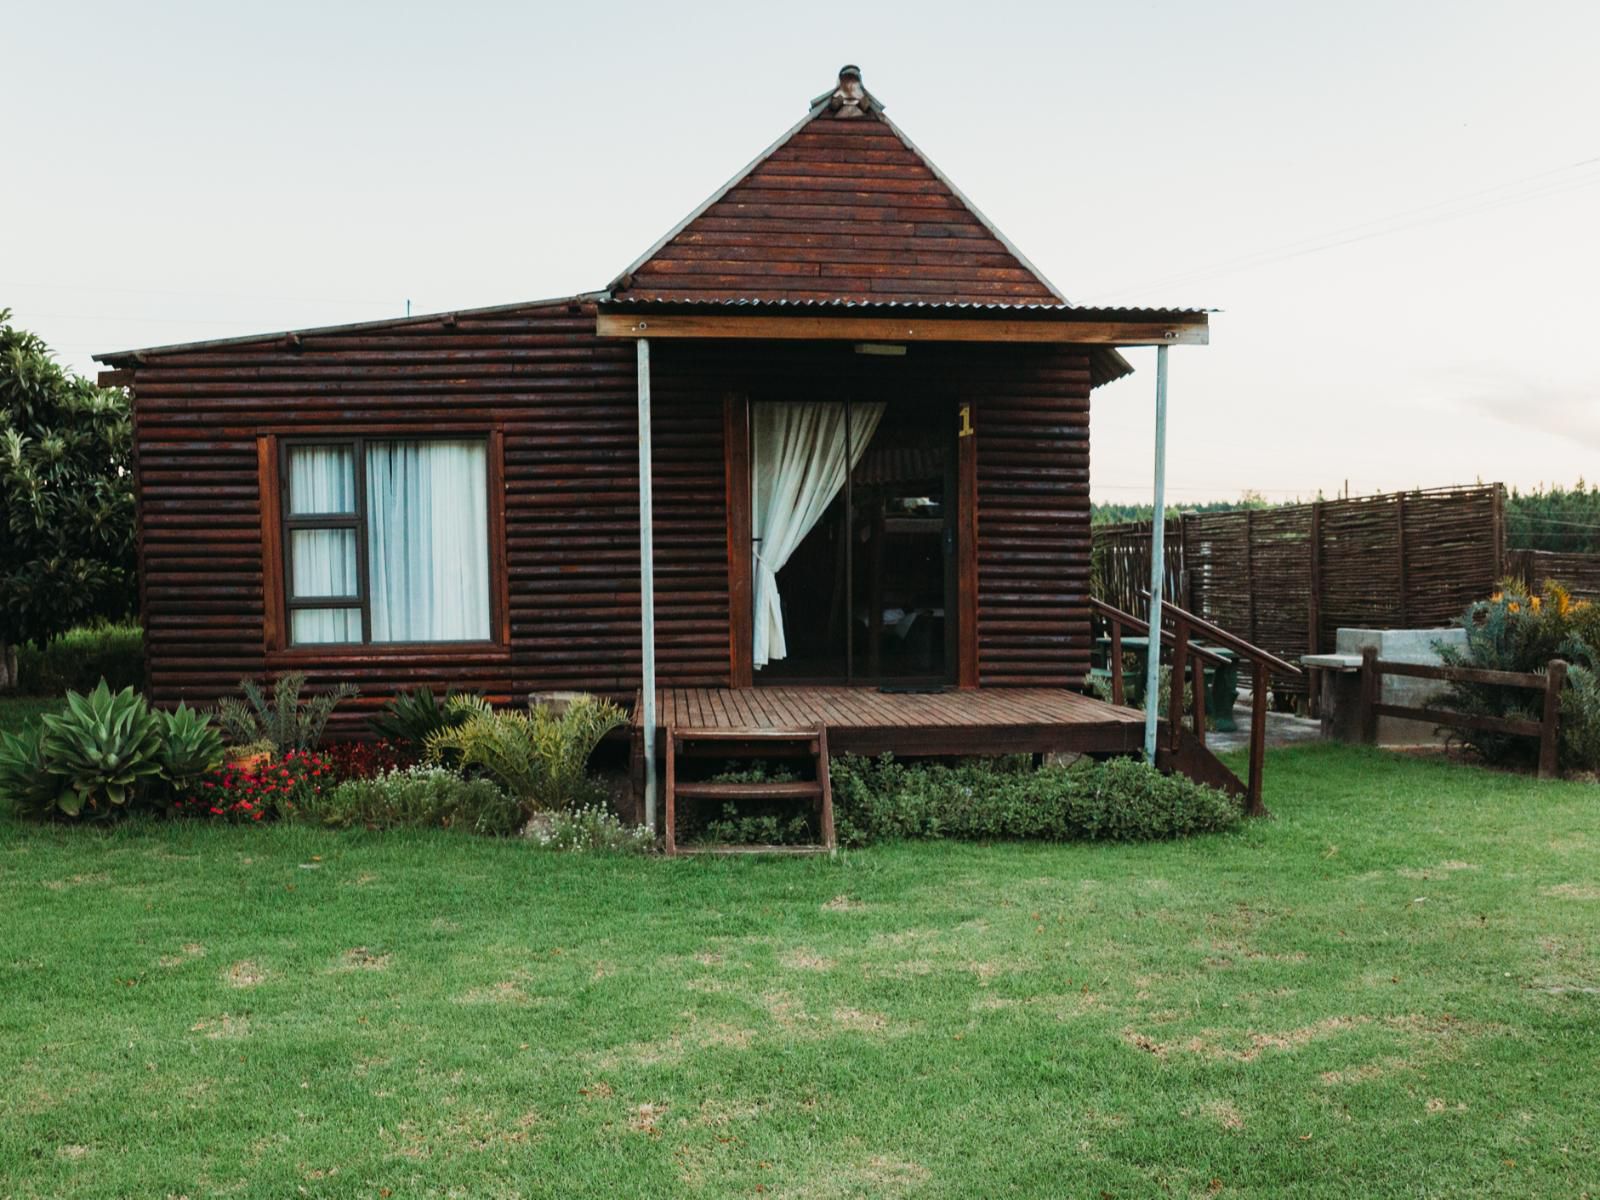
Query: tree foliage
x=1557 y=518
x=66 y=495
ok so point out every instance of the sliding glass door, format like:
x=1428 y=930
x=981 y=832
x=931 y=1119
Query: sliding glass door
x=853 y=547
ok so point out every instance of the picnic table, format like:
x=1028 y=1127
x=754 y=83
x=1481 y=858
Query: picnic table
x=1222 y=683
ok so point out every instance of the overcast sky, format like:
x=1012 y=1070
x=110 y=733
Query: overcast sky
x=176 y=172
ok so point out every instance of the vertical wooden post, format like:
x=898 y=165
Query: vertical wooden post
x=671 y=843
x=1314 y=594
x=1250 y=569
x=1497 y=533
x=1549 y=741
x=1254 y=807
x=1180 y=658
x=1400 y=543
x=1197 y=699
x=741 y=611
x=967 y=554
x=1118 y=688
x=1371 y=691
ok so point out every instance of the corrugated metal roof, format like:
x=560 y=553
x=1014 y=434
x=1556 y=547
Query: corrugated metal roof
x=1080 y=310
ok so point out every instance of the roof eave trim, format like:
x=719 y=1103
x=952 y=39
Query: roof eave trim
x=121 y=358
x=816 y=110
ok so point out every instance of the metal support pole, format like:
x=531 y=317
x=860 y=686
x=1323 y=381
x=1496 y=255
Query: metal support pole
x=1158 y=550
x=647 y=587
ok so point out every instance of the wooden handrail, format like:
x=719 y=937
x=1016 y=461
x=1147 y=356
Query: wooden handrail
x=1139 y=626
x=1222 y=637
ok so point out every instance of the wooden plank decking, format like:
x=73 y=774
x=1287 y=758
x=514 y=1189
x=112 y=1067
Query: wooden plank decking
x=866 y=721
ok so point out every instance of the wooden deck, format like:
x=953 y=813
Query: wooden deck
x=863 y=720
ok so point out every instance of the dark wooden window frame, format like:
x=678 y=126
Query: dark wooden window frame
x=277 y=524
x=736 y=456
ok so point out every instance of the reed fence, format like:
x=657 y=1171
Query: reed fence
x=1285 y=579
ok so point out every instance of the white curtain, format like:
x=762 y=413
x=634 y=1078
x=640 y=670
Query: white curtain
x=428 y=541
x=322 y=562
x=797 y=466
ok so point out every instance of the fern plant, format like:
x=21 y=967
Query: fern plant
x=285 y=722
x=539 y=756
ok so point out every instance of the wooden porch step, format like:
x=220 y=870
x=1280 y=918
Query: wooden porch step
x=799 y=789
x=757 y=744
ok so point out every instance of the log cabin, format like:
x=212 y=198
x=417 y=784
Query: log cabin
x=851 y=418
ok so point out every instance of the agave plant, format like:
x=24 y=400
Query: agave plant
x=416 y=716
x=25 y=779
x=189 y=745
x=105 y=747
x=284 y=722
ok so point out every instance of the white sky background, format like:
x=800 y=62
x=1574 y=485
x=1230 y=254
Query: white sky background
x=177 y=172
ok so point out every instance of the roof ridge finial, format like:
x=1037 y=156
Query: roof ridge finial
x=851 y=98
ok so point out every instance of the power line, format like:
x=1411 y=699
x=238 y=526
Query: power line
x=1500 y=195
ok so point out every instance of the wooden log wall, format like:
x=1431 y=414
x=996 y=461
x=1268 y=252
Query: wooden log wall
x=1399 y=560
x=564 y=403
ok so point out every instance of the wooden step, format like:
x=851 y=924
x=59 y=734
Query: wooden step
x=790 y=789
x=757 y=744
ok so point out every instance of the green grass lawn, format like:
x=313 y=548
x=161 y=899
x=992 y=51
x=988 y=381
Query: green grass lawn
x=1388 y=990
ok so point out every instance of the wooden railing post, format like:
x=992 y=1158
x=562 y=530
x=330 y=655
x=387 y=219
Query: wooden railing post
x=1117 y=686
x=1197 y=701
x=1371 y=694
x=1258 y=741
x=1549 y=741
x=1180 y=659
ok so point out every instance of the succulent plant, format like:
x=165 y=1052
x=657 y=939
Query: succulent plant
x=105 y=747
x=25 y=779
x=190 y=746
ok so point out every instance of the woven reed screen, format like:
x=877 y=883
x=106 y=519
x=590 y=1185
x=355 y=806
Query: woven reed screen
x=1287 y=578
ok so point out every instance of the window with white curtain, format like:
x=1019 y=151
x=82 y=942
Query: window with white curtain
x=386 y=541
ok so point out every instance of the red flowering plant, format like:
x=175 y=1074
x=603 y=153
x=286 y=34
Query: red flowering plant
x=363 y=760
x=272 y=790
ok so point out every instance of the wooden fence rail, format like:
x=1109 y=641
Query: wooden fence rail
x=1547 y=729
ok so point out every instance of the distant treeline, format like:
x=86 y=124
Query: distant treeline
x=1555 y=518
x=1566 y=519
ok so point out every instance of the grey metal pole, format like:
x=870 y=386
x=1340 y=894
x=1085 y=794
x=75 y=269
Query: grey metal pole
x=647 y=587
x=1158 y=549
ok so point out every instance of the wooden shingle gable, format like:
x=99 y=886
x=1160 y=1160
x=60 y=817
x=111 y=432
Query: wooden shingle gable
x=843 y=208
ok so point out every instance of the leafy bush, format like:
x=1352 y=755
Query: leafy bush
x=285 y=721
x=1516 y=631
x=364 y=760
x=417 y=797
x=1118 y=800
x=1580 y=718
x=294 y=782
x=416 y=716
x=105 y=746
x=540 y=756
x=189 y=745
x=589 y=828
x=80 y=658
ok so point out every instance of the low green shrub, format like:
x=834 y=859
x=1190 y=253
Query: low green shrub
x=417 y=797
x=285 y=722
x=540 y=756
x=80 y=658
x=1516 y=631
x=591 y=829
x=1119 y=800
